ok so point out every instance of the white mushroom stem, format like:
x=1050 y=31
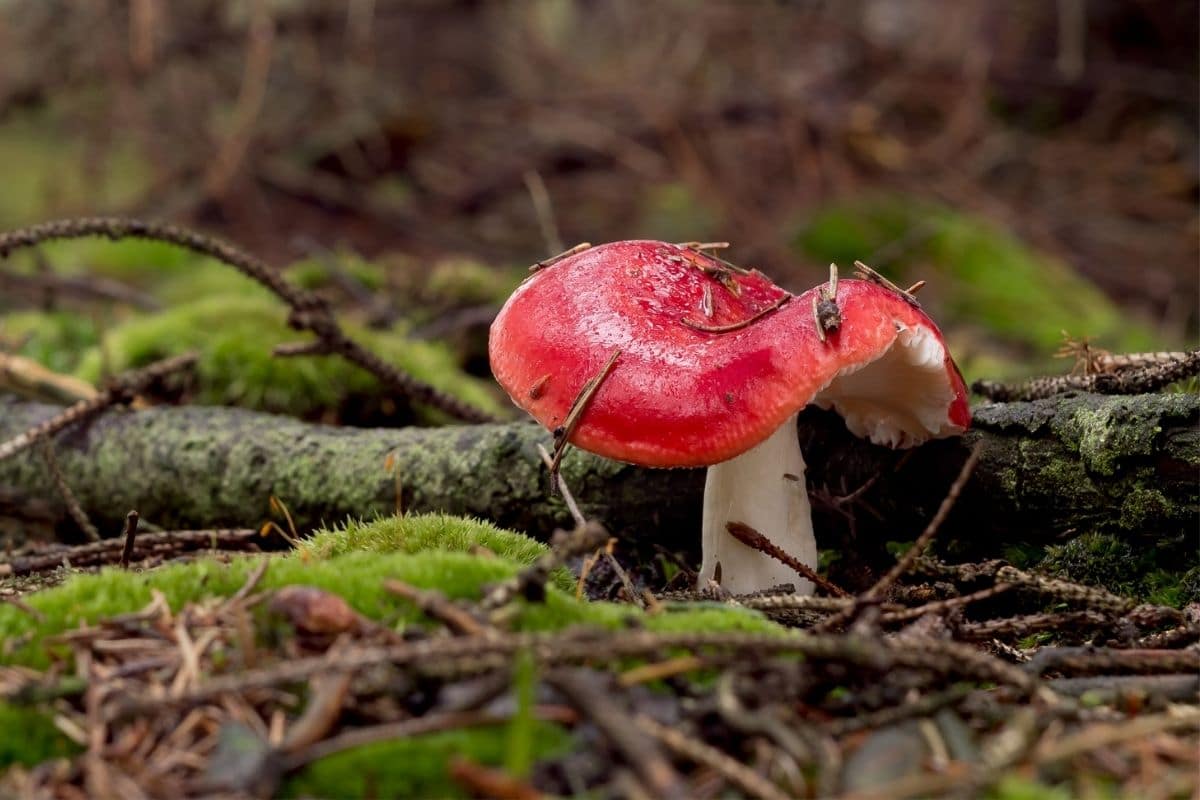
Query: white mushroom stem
x=765 y=489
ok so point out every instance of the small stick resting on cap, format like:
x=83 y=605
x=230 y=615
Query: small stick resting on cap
x=868 y=274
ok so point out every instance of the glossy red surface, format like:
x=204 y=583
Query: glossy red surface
x=678 y=396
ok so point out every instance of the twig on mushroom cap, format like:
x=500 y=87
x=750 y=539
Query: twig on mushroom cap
x=121 y=389
x=308 y=311
x=736 y=326
x=700 y=247
x=826 y=315
x=552 y=260
x=868 y=274
x=1161 y=372
x=706 y=302
x=564 y=431
x=753 y=539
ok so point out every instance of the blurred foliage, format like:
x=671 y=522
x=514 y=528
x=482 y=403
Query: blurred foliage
x=235 y=323
x=57 y=339
x=48 y=171
x=236 y=334
x=991 y=291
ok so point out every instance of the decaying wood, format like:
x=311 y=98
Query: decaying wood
x=1047 y=468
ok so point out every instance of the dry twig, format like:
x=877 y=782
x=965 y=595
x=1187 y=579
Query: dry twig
x=121 y=389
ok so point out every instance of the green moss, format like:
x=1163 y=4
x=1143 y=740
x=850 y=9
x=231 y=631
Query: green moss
x=235 y=336
x=55 y=339
x=316 y=273
x=419 y=532
x=38 y=741
x=1146 y=572
x=465 y=281
x=980 y=277
x=49 y=170
x=352 y=561
x=1097 y=559
x=671 y=211
x=416 y=533
x=1189 y=586
x=1016 y=787
x=1141 y=504
x=417 y=557
x=1119 y=429
x=522 y=730
x=415 y=766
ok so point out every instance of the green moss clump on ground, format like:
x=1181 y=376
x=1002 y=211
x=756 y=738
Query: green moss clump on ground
x=1019 y=787
x=38 y=741
x=465 y=281
x=235 y=336
x=55 y=339
x=413 y=534
x=410 y=550
x=980 y=277
x=142 y=263
x=1124 y=567
x=415 y=766
x=1189 y=586
x=428 y=551
x=318 y=273
x=51 y=170
x=1096 y=559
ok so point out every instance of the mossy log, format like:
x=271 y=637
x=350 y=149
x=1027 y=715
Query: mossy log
x=1052 y=468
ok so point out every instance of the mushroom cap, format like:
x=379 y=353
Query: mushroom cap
x=713 y=358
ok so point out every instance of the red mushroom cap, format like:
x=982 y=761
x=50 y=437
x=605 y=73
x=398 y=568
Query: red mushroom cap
x=712 y=358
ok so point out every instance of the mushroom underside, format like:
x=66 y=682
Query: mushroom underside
x=899 y=399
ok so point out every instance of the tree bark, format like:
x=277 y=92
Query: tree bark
x=1049 y=468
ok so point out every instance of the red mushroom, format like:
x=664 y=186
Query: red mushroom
x=694 y=362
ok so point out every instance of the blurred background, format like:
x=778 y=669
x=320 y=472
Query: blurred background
x=1034 y=160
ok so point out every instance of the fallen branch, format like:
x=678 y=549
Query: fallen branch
x=109 y=551
x=1121 y=464
x=122 y=389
